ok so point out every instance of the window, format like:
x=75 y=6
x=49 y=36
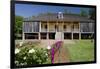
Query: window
x=55 y=26
x=45 y=26
x=60 y=15
x=72 y=27
x=41 y=25
x=64 y=26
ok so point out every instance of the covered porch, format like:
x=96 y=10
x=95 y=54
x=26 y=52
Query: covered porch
x=59 y=26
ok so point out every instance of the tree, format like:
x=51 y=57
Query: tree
x=67 y=11
x=48 y=13
x=18 y=25
x=92 y=13
x=83 y=13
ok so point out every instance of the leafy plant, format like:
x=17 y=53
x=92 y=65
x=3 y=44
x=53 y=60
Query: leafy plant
x=31 y=55
x=18 y=26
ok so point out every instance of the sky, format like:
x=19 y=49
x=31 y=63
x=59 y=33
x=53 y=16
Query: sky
x=28 y=10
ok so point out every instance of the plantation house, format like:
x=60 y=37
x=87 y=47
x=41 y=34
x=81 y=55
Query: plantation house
x=58 y=26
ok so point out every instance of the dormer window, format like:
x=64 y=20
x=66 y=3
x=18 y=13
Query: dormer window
x=60 y=15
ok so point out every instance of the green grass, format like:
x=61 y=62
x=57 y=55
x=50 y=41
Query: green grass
x=82 y=50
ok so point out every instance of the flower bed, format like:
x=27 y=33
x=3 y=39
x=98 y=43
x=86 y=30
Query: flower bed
x=54 y=48
x=26 y=55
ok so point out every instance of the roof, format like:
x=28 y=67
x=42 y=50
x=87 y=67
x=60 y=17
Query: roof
x=53 y=17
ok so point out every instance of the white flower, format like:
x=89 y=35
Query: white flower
x=31 y=51
x=16 y=62
x=17 y=50
x=25 y=63
x=47 y=59
x=24 y=58
x=48 y=47
x=22 y=63
x=21 y=43
x=46 y=54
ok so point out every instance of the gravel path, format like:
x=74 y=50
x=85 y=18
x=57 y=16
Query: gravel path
x=61 y=56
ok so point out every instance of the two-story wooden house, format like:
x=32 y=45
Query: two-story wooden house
x=58 y=25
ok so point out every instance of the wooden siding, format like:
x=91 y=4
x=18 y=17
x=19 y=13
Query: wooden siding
x=76 y=27
x=60 y=26
x=87 y=27
x=52 y=27
x=68 y=27
x=31 y=27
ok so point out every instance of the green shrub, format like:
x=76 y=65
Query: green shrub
x=31 y=55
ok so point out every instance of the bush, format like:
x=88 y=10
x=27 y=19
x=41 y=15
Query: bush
x=31 y=55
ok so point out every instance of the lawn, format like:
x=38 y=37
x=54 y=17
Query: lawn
x=76 y=51
x=81 y=50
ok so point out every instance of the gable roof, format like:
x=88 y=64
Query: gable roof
x=53 y=17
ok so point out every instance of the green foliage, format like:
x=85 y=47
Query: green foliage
x=92 y=13
x=31 y=55
x=18 y=25
x=67 y=11
x=83 y=13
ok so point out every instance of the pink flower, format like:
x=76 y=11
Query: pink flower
x=52 y=55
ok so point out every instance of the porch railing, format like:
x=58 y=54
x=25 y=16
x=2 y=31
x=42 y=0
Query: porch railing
x=43 y=30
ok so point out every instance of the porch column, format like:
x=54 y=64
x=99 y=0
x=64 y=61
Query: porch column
x=47 y=29
x=39 y=31
x=72 y=30
x=39 y=36
x=57 y=28
x=63 y=26
x=47 y=35
x=63 y=31
x=47 y=26
x=40 y=26
x=79 y=31
x=23 y=37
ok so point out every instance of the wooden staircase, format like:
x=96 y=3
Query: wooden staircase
x=59 y=36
